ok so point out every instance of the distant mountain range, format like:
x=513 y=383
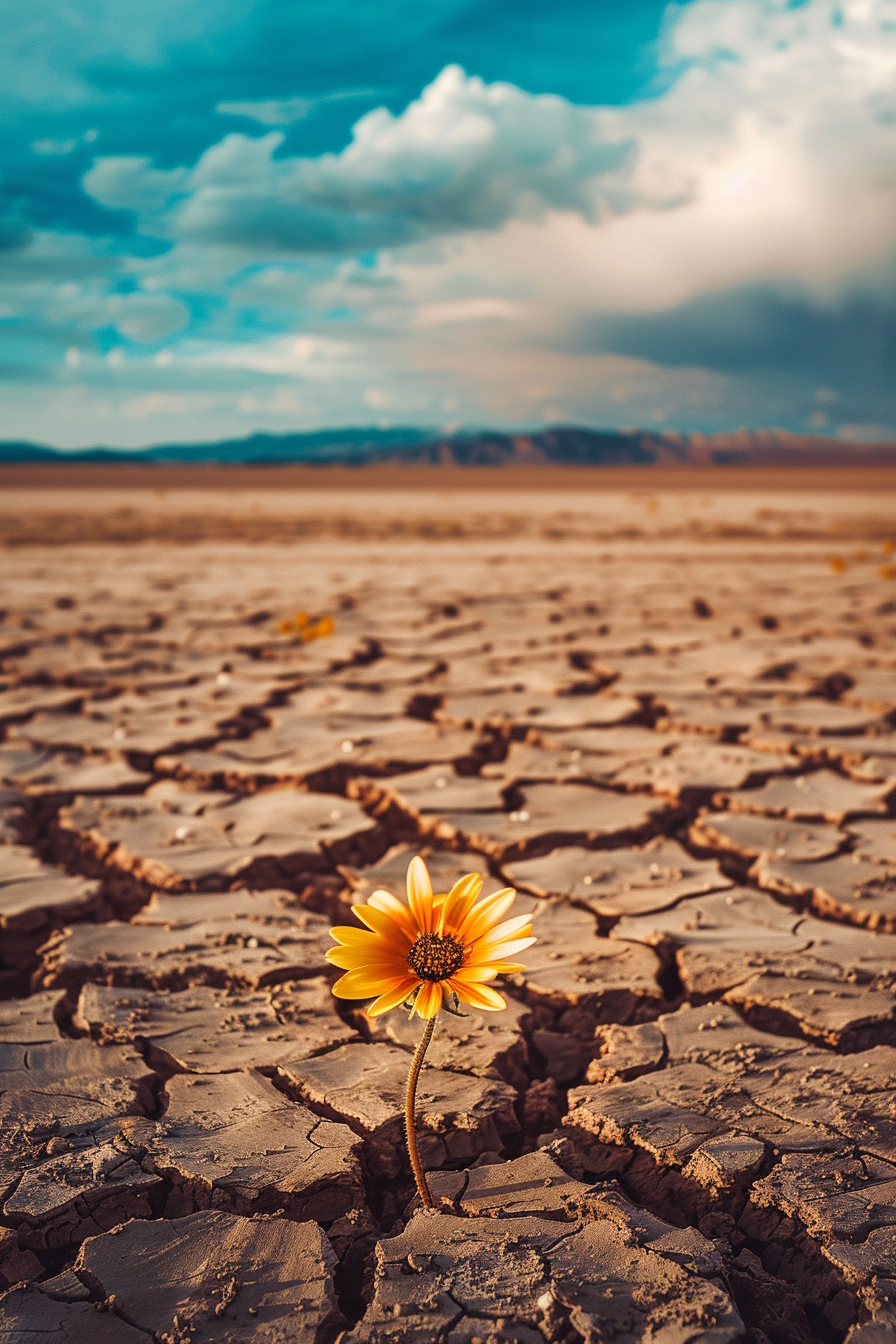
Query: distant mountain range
x=564 y=445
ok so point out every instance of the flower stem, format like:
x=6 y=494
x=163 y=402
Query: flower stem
x=409 y=1110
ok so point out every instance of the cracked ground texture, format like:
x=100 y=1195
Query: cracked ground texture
x=668 y=720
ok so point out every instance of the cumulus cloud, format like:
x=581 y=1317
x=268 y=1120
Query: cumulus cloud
x=147 y=318
x=129 y=182
x=465 y=155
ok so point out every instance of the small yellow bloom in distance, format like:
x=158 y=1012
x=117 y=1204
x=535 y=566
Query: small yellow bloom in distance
x=319 y=628
x=432 y=948
x=838 y=565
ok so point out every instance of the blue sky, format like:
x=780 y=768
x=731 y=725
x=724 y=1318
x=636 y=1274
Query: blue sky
x=224 y=216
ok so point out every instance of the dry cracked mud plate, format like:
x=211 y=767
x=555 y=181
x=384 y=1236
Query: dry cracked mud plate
x=571 y=969
x=175 y=837
x=38 y=771
x=234 y=1141
x=786 y=1148
x=244 y=953
x=750 y=836
x=847 y=887
x=210 y=1278
x=819 y=796
x=297 y=746
x=619 y=882
x=718 y=940
x=209 y=1030
x=548 y=815
x=32 y=893
x=546 y=713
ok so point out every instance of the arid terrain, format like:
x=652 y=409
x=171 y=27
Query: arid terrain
x=661 y=705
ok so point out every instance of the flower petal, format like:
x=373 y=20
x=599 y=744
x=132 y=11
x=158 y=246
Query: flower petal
x=519 y=927
x=358 y=959
x=384 y=925
x=478 y=996
x=472 y=975
x=486 y=913
x=360 y=985
x=420 y=895
x=484 y=953
x=391 y=905
x=429 y=999
x=393 y=997
x=458 y=902
x=349 y=936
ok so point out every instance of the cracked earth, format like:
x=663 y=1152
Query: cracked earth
x=674 y=735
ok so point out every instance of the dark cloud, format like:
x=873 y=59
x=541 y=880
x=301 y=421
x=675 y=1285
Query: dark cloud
x=782 y=338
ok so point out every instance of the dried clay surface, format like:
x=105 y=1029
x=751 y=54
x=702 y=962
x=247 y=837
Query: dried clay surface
x=667 y=719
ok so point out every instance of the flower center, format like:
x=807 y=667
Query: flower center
x=436 y=956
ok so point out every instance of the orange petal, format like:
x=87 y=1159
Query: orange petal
x=391 y=905
x=478 y=996
x=420 y=895
x=359 y=985
x=357 y=959
x=487 y=952
x=458 y=902
x=519 y=927
x=384 y=925
x=349 y=936
x=429 y=1000
x=471 y=975
x=393 y=997
x=487 y=913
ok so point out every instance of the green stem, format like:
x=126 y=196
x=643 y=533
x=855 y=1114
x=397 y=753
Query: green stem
x=409 y=1111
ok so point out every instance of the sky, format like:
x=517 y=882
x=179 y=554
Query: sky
x=230 y=216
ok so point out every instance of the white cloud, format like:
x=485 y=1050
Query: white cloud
x=147 y=318
x=270 y=111
x=465 y=155
x=126 y=182
x=303 y=357
x=284 y=111
x=466 y=310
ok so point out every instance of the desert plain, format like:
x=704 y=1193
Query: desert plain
x=662 y=705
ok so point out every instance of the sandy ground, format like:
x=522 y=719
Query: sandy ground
x=667 y=716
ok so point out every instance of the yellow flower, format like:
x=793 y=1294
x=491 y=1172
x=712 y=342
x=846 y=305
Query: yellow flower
x=431 y=948
x=318 y=629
